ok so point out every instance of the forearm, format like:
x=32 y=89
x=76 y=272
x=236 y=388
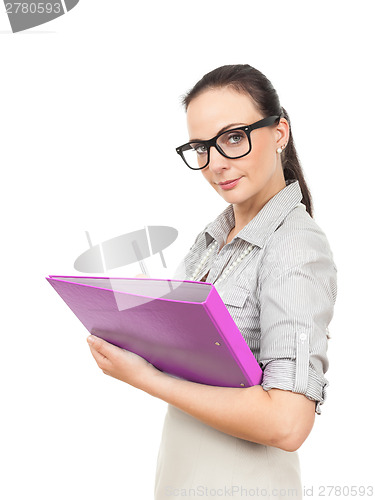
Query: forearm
x=246 y=413
x=276 y=417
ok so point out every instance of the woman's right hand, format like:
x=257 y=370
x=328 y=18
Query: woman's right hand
x=141 y=276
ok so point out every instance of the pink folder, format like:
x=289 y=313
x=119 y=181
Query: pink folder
x=181 y=327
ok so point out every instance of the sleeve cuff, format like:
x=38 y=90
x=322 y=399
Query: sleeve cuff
x=281 y=374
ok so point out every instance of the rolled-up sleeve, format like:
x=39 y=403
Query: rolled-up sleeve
x=297 y=291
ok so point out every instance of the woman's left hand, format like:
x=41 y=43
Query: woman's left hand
x=122 y=364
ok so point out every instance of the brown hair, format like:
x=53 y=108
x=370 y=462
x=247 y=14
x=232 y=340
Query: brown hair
x=248 y=80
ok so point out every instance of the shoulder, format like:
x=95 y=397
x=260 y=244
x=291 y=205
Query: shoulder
x=297 y=240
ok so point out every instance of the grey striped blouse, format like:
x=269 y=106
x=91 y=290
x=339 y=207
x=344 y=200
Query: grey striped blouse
x=281 y=295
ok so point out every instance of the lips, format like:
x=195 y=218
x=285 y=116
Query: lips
x=228 y=182
x=227 y=185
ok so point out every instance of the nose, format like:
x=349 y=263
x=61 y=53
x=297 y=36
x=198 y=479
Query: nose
x=217 y=160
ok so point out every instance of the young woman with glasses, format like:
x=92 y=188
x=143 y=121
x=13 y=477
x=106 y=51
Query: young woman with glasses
x=273 y=266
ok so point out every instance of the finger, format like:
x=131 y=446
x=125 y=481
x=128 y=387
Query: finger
x=100 y=345
x=102 y=350
x=99 y=358
x=103 y=363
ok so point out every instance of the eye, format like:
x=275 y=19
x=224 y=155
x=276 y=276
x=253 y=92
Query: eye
x=235 y=138
x=232 y=139
x=200 y=149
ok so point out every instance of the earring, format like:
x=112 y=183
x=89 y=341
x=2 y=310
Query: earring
x=280 y=150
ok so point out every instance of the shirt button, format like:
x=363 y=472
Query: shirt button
x=303 y=336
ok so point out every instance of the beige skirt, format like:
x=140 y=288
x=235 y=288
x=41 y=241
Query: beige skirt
x=196 y=460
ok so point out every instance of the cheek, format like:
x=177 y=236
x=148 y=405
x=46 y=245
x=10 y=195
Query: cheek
x=258 y=165
x=262 y=152
x=255 y=163
x=206 y=174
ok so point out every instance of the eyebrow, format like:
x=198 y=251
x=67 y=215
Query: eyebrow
x=227 y=127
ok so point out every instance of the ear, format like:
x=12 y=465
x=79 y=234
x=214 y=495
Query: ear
x=282 y=133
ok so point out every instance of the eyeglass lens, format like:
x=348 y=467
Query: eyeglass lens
x=233 y=143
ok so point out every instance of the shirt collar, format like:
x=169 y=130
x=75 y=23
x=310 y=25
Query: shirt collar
x=263 y=224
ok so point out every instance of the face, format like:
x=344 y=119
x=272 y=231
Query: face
x=260 y=172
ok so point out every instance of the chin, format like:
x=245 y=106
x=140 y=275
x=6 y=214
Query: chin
x=236 y=196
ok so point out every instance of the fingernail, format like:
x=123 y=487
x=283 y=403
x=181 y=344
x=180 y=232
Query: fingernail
x=90 y=339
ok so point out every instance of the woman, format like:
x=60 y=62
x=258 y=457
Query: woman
x=274 y=269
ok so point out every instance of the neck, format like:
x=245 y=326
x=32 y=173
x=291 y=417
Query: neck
x=246 y=211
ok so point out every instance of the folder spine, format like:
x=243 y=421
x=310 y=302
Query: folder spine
x=252 y=373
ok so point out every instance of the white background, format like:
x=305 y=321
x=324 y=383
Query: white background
x=89 y=120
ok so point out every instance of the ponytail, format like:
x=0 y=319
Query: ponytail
x=292 y=167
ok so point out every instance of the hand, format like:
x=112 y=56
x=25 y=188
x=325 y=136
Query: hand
x=122 y=364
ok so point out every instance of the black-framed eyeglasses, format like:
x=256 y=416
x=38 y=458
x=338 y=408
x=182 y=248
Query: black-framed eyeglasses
x=233 y=143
